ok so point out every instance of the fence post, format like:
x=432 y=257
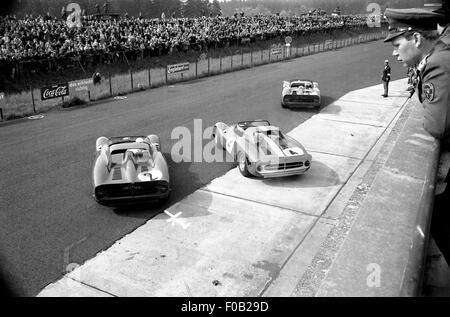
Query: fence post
x=110 y=84
x=220 y=63
x=1 y=113
x=262 y=56
x=209 y=65
x=166 y=74
x=149 y=79
x=89 y=95
x=231 y=62
x=131 y=75
x=242 y=58
x=196 y=69
x=32 y=99
x=251 y=58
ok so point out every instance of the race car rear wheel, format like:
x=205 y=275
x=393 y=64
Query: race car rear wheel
x=243 y=164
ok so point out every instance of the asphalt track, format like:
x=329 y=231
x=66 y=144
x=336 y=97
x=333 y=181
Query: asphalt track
x=48 y=217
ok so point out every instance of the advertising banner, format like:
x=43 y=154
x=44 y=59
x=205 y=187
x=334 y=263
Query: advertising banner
x=177 y=68
x=55 y=91
x=79 y=85
x=276 y=51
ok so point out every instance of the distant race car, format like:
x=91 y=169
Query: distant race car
x=129 y=169
x=262 y=149
x=300 y=93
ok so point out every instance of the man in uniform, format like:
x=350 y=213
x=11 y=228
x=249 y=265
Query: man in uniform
x=386 y=77
x=416 y=41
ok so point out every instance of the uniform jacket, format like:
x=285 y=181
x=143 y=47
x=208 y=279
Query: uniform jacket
x=386 y=73
x=434 y=88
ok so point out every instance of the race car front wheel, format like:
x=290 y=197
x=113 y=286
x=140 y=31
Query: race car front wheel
x=243 y=164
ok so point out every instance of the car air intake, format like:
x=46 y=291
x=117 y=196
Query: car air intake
x=117 y=174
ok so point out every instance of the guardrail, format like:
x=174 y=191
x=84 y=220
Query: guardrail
x=27 y=102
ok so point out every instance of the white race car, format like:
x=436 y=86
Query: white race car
x=300 y=93
x=262 y=149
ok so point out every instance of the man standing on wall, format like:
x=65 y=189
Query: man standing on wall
x=386 y=77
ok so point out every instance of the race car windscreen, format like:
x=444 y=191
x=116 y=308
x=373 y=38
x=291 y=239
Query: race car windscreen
x=247 y=124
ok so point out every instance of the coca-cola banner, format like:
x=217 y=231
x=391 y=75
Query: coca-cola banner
x=54 y=91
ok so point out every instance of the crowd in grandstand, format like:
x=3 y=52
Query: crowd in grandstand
x=36 y=38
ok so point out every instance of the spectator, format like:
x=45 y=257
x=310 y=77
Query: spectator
x=36 y=39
